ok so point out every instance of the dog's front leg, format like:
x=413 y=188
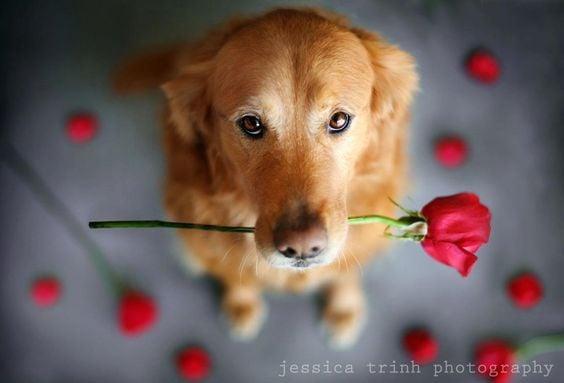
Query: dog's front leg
x=344 y=311
x=245 y=309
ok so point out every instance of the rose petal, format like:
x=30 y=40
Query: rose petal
x=483 y=66
x=82 y=127
x=451 y=151
x=525 y=290
x=193 y=363
x=450 y=255
x=137 y=313
x=45 y=291
x=492 y=354
x=421 y=346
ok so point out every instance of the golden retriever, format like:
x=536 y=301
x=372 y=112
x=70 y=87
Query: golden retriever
x=290 y=122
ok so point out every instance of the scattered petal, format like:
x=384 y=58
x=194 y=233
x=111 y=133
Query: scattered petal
x=421 y=346
x=525 y=290
x=490 y=356
x=137 y=313
x=46 y=291
x=451 y=151
x=82 y=127
x=193 y=363
x=483 y=66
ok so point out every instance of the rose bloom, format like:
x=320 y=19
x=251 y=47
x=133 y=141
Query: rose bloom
x=457 y=226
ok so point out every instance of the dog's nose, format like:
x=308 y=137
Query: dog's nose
x=306 y=240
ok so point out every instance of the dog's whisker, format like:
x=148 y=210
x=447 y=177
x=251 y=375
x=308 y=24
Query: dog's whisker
x=345 y=255
x=358 y=263
x=263 y=263
x=236 y=242
x=242 y=266
x=346 y=262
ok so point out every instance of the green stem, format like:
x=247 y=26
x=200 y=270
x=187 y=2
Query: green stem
x=176 y=225
x=364 y=219
x=231 y=229
x=50 y=202
x=540 y=345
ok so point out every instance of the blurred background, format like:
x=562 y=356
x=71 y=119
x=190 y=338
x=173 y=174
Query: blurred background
x=57 y=58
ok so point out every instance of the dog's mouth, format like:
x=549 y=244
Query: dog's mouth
x=300 y=264
x=303 y=264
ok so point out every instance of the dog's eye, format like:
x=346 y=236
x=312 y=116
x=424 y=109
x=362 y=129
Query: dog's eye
x=251 y=126
x=339 y=122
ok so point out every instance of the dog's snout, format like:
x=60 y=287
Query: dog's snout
x=306 y=239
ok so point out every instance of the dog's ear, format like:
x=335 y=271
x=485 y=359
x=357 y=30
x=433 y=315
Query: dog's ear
x=148 y=70
x=189 y=137
x=188 y=100
x=395 y=77
x=187 y=92
x=395 y=82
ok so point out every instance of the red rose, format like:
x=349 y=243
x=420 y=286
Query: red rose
x=494 y=359
x=137 y=313
x=193 y=363
x=82 y=127
x=451 y=151
x=483 y=66
x=525 y=290
x=45 y=291
x=421 y=346
x=457 y=226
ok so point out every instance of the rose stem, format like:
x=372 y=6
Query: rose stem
x=51 y=203
x=540 y=345
x=364 y=219
x=176 y=225
x=232 y=229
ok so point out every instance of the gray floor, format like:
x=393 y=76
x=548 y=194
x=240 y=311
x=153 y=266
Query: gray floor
x=57 y=56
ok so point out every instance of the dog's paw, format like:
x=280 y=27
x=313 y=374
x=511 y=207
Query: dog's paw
x=245 y=317
x=343 y=325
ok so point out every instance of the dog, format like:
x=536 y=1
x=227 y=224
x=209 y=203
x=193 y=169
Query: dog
x=290 y=122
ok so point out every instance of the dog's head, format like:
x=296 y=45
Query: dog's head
x=288 y=103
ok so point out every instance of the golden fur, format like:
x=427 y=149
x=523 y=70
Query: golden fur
x=293 y=67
